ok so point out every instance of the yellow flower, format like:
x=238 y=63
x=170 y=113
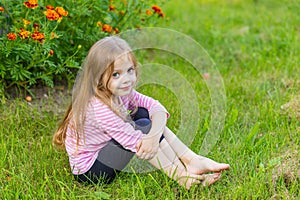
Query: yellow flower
x=26 y=22
x=23 y=34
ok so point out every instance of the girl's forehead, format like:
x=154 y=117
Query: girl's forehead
x=123 y=60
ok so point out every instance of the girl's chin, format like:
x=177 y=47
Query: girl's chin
x=123 y=92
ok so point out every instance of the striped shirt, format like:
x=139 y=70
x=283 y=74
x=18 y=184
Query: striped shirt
x=101 y=125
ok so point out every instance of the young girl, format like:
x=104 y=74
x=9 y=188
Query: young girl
x=108 y=122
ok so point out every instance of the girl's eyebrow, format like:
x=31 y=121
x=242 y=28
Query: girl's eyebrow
x=126 y=68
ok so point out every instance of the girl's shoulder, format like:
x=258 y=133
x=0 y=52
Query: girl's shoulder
x=96 y=102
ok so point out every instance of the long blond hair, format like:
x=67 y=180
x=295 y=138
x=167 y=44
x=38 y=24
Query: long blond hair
x=91 y=82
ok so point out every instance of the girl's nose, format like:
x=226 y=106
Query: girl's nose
x=126 y=79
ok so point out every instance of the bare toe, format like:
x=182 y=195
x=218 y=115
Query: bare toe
x=190 y=179
x=210 y=179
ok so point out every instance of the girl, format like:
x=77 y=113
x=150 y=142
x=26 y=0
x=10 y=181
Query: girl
x=108 y=122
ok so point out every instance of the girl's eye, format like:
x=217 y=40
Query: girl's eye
x=116 y=74
x=131 y=70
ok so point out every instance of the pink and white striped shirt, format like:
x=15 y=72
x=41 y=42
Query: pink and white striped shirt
x=101 y=125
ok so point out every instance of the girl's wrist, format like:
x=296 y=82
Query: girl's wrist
x=152 y=136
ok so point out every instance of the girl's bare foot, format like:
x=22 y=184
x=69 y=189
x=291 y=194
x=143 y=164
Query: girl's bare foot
x=210 y=179
x=201 y=165
x=186 y=179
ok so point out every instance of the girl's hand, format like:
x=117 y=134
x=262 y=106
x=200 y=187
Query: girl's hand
x=147 y=147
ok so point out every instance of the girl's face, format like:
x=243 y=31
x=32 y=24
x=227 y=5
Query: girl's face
x=123 y=77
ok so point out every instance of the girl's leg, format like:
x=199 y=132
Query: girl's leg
x=167 y=160
x=174 y=170
x=194 y=163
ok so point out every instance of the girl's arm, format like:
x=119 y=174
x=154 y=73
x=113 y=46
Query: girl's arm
x=114 y=126
x=148 y=146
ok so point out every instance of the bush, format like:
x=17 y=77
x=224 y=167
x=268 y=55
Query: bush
x=45 y=42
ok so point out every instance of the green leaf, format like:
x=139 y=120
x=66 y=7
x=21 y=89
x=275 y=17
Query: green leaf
x=251 y=136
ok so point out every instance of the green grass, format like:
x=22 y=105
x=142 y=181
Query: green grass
x=255 y=45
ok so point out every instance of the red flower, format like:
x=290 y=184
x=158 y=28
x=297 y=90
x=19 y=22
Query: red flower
x=158 y=10
x=23 y=34
x=1 y=9
x=38 y=36
x=11 y=36
x=49 y=7
x=31 y=4
x=107 y=28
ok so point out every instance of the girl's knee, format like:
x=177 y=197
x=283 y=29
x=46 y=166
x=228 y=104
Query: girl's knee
x=140 y=113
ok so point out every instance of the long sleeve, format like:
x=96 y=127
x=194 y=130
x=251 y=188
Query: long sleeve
x=115 y=127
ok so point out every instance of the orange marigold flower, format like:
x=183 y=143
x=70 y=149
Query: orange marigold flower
x=49 y=7
x=112 y=7
x=31 y=4
x=38 y=36
x=116 y=31
x=23 y=34
x=1 y=9
x=107 y=28
x=11 y=36
x=149 y=12
x=156 y=8
x=51 y=52
x=99 y=24
x=61 y=11
x=52 y=15
x=26 y=22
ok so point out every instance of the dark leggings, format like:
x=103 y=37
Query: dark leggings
x=113 y=157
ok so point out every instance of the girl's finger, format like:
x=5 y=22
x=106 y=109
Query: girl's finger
x=139 y=144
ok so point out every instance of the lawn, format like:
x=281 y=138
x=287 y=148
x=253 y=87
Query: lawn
x=255 y=46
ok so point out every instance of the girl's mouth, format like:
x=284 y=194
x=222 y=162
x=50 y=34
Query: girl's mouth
x=125 y=88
